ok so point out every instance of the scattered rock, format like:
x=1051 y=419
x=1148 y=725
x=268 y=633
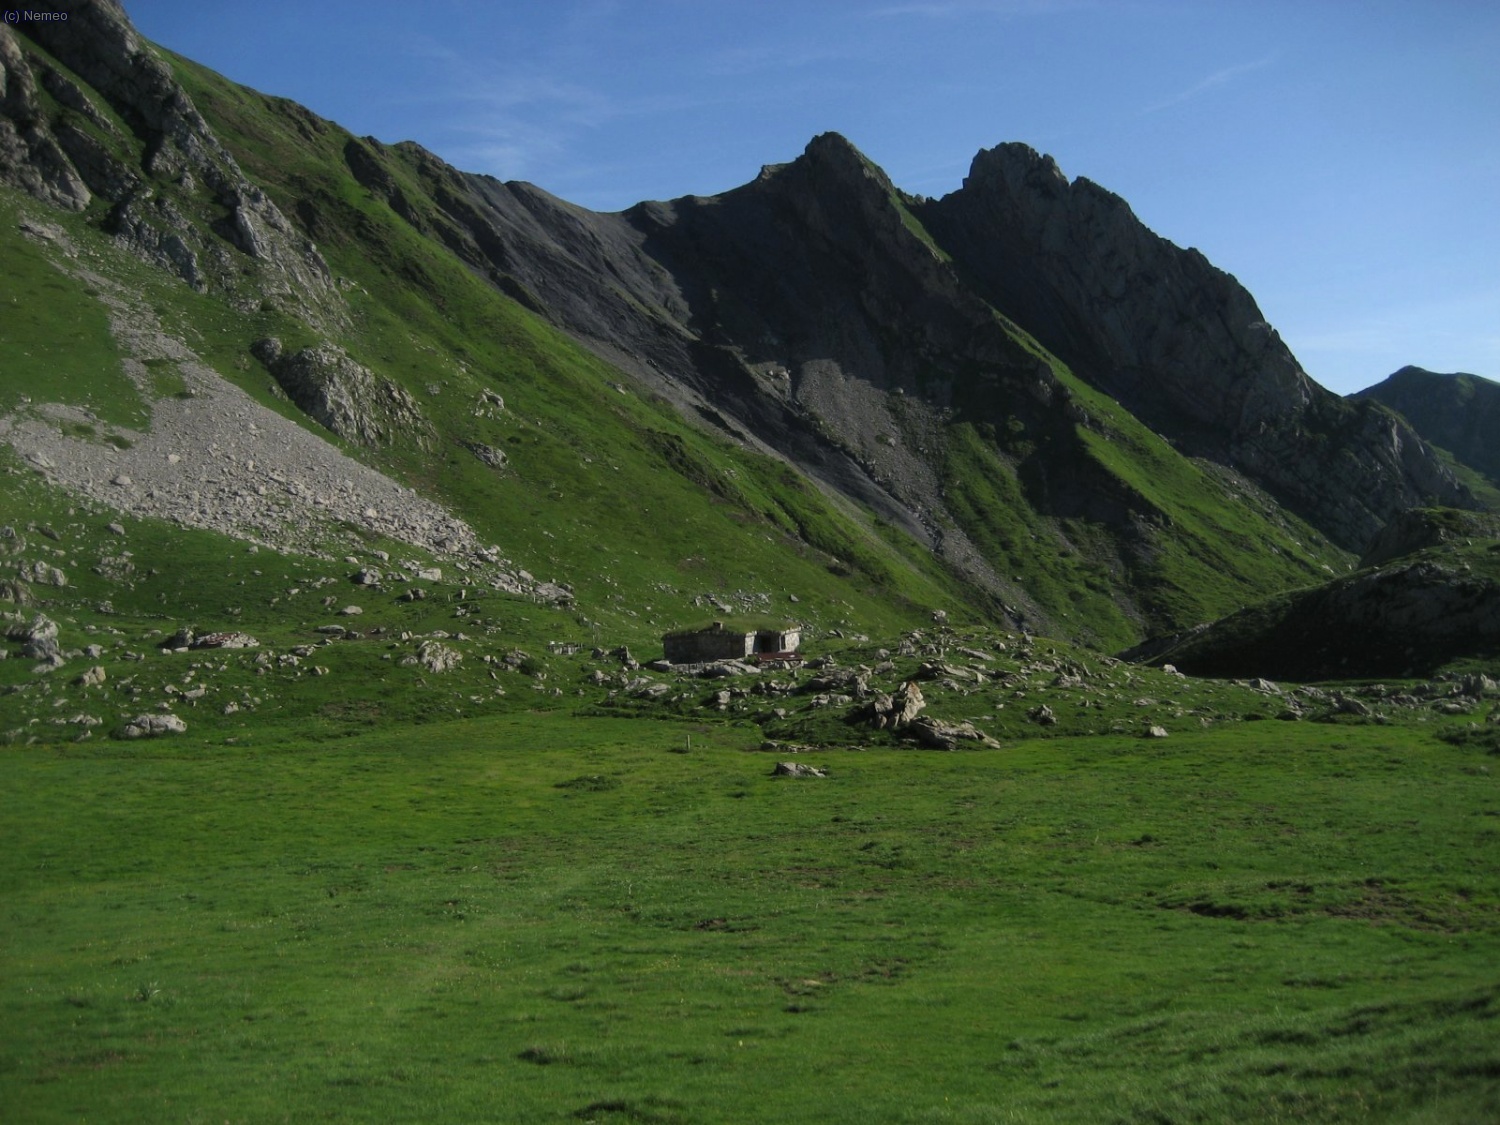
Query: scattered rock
x=1156 y=732
x=797 y=769
x=92 y=678
x=225 y=640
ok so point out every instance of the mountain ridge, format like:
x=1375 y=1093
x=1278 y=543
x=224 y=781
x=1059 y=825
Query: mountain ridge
x=875 y=345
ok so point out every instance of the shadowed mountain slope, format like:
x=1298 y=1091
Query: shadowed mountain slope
x=1404 y=617
x=1458 y=412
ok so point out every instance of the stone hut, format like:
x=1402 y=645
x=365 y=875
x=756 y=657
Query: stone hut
x=720 y=642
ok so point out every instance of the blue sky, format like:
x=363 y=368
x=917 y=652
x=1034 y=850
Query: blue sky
x=1341 y=158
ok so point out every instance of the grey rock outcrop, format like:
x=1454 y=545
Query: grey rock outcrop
x=797 y=769
x=488 y=454
x=30 y=156
x=943 y=735
x=437 y=657
x=39 y=640
x=230 y=639
x=896 y=710
x=42 y=574
x=343 y=395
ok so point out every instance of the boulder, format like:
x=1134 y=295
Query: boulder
x=154 y=726
x=797 y=769
x=437 y=657
x=896 y=710
x=943 y=735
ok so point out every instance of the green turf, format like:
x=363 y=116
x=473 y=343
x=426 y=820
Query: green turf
x=533 y=918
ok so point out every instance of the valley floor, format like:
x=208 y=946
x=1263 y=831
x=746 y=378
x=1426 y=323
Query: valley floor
x=555 y=917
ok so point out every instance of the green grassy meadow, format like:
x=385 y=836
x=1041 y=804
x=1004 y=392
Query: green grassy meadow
x=550 y=917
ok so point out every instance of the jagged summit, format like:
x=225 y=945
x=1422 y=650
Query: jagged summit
x=1016 y=165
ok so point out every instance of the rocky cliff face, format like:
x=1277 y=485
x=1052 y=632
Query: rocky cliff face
x=1459 y=412
x=90 y=115
x=1179 y=342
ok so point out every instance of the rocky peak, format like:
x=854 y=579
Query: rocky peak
x=1179 y=342
x=1020 y=168
x=835 y=153
x=833 y=188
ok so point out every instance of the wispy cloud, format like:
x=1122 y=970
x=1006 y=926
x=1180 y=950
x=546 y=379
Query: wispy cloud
x=509 y=122
x=781 y=57
x=1215 y=80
